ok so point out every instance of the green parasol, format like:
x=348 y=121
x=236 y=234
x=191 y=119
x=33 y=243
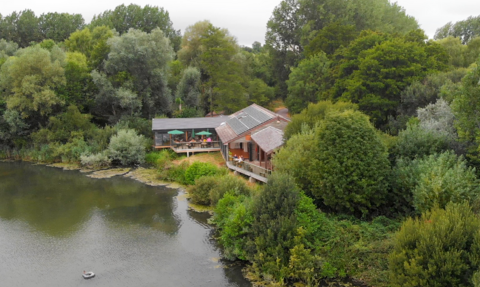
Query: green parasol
x=193 y=133
x=204 y=133
x=175 y=132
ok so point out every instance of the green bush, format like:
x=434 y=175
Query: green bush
x=435 y=181
x=441 y=248
x=160 y=159
x=228 y=183
x=127 y=147
x=233 y=216
x=98 y=160
x=417 y=142
x=208 y=190
x=200 y=191
x=199 y=169
x=173 y=172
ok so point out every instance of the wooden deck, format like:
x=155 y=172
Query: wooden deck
x=247 y=173
x=194 y=150
x=189 y=150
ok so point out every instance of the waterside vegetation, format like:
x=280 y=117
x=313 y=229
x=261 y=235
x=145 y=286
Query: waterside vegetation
x=377 y=182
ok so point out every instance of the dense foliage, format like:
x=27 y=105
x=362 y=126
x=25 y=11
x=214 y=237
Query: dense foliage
x=385 y=124
x=441 y=248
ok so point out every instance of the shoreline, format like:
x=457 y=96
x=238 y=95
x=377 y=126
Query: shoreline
x=144 y=175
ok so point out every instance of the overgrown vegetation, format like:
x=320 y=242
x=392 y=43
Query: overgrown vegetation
x=385 y=125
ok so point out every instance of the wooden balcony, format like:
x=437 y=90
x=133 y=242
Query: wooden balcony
x=192 y=147
x=249 y=169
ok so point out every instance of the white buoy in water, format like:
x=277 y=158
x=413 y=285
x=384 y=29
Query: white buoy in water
x=88 y=275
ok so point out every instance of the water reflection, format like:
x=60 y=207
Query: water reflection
x=59 y=204
x=54 y=224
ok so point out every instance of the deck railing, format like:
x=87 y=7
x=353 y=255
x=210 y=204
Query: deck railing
x=250 y=167
x=195 y=145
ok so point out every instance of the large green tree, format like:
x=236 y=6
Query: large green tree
x=29 y=81
x=295 y=22
x=377 y=68
x=466 y=107
x=307 y=82
x=134 y=77
x=343 y=162
x=25 y=27
x=466 y=30
x=216 y=54
x=145 y=19
x=91 y=43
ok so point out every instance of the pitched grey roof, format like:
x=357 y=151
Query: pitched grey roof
x=187 y=123
x=247 y=119
x=268 y=139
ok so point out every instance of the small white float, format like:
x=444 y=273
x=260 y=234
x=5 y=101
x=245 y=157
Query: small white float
x=88 y=275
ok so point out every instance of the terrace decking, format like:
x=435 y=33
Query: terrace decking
x=193 y=147
x=234 y=166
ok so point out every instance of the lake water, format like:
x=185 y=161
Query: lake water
x=55 y=224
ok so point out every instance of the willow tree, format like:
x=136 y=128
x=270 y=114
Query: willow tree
x=29 y=81
x=134 y=77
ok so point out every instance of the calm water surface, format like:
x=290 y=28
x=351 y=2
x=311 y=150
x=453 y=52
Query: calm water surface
x=54 y=224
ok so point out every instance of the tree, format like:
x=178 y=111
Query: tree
x=466 y=108
x=439 y=118
x=330 y=38
x=274 y=225
x=416 y=142
x=223 y=88
x=314 y=114
x=259 y=92
x=127 y=148
x=146 y=19
x=59 y=26
x=7 y=49
x=350 y=167
x=307 y=82
x=134 y=78
x=29 y=81
x=79 y=89
x=294 y=23
x=91 y=43
x=188 y=89
x=12 y=128
x=441 y=248
x=375 y=77
x=455 y=49
x=466 y=30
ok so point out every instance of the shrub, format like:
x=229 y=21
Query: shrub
x=233 y=216
x=208 y=190
x=200 y=191
x=72 y=150
x=441 y=248
x=174 y=172
x=127 y=147
x=98 y=160
x=160 y=159
x=199 y=169
x=436 y=180
x=228 y=183
x=416 y=142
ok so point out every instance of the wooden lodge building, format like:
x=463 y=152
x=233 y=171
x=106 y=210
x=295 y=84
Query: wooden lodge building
x=247 y=138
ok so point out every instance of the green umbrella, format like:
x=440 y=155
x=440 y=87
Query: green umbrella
x=175 y=132
x=204 y=133
x=193 y=133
